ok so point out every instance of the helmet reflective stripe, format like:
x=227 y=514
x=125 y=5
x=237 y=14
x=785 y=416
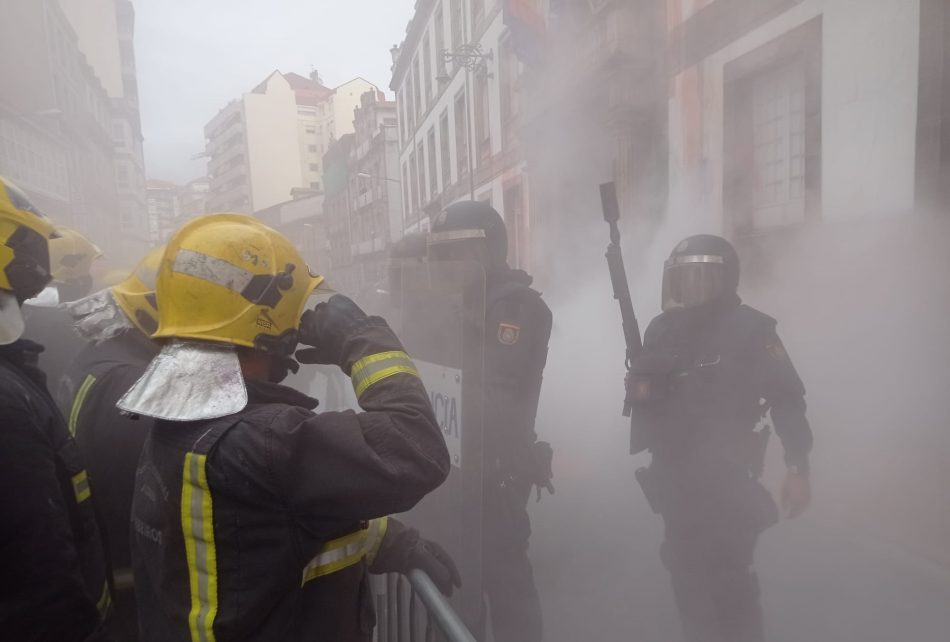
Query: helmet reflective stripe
x=211 y=269
x=455 y=235
x=694 y=258
x=256 y=288
x=346 y=551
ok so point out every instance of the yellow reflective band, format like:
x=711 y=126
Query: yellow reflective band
x=197 y=524
x=105 y=601
x=81 y=486
x=78 y=401
x=376 y=367
x=346 y=551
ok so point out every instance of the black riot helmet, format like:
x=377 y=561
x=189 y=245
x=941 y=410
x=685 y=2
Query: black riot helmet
x=701 y=269
x=469 y=230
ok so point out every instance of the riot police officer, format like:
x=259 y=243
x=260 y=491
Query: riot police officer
x=710 y=370
x=517 y=329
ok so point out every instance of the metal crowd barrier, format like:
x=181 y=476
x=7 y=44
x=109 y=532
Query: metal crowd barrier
x=411 y=609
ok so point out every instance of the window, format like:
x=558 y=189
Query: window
x=417 y=99
x=508 y=89
x=314 y=167
x=478 y=12
x=778 y=142
x=122 y=179
x=421 y=173
x=413 y=180
x=455 y=18
x=427 y=66
x=439 y=42
x=311 y=148
x=444 y=158
x=482 y=121
x=310 y=130
x=401 y=103
x=433 y=166
x=461 y=134
x=314 y=184
x=405 y=190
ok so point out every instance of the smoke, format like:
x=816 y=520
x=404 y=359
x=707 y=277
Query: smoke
x=861 y=304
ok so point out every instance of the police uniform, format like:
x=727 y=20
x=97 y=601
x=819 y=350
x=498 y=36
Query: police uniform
x=251 y=525
x=705 y=378
x=54 y=580
x=518 y=327
x=111 y=443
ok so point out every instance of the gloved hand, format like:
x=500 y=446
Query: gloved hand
x=543 y=456
x=796 y=493
x=431 y=558
x=325 y=329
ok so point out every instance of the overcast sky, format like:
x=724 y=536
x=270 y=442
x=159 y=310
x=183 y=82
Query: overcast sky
x=196 y=55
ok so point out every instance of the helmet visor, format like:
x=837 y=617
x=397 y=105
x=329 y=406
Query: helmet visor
x=690 y=281
x=458 y=245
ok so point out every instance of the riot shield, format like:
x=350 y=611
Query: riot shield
x=439 y=315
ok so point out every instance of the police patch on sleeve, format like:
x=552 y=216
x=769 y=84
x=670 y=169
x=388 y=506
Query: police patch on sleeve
x=508 y=333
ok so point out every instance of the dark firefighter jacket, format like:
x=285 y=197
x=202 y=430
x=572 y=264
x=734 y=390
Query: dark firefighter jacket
x=53 y=579
x=517 y=330
x=252 y=526
x=716 y=371
x=52 y=327
x=109 y=441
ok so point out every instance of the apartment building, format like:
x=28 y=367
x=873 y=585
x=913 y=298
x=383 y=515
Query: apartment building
x=56 y=126
x=106 y=30
x=268 y=145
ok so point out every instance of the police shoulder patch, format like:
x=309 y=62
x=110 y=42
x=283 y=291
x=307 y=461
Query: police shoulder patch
x=508 y=333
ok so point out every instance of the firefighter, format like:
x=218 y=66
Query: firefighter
x=54 y=580
x=116 y=322
x=517 y=329
x=71 y=258
x=711 y=370
x=253 y=516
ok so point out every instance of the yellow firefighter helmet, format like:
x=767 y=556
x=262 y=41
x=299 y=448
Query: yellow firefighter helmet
x=24 y=243
x=229 y=278
x=71 y=256
x=136 y=293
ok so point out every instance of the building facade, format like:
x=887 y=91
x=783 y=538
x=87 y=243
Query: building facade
x=193 y=198
x=56 y=121
x=106 y=29
x=269 y=144
x=337 y=202
x=302 y=220
x=789 y=111
x=594 y=110
x=375 y=208
x=459 y=116
x=164 y=210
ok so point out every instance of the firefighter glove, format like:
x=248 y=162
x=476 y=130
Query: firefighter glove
x=543 y=467
x=431 y=558
x=326 y=328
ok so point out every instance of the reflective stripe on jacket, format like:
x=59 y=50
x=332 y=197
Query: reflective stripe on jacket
x=257 y=525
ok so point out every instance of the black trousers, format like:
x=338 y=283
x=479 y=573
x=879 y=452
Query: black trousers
x=713 y=522
x=507 y=577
